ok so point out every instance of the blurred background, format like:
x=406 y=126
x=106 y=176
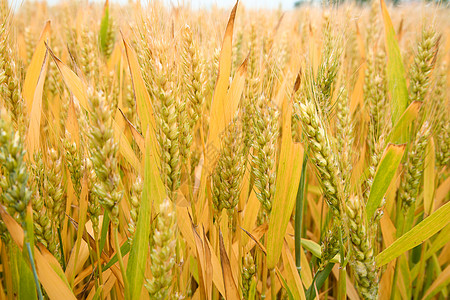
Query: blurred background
x=254 y=4
x=196 y=4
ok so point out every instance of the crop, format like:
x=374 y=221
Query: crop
x=154 y=152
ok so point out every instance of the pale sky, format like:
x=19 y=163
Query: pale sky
x=272 y=4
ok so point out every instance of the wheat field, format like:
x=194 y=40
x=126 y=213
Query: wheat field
x=152 y=151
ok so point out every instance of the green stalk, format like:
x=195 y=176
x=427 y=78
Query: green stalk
x=104 y=232
x=99 y=264
x=63 y=260
x=33 y=268
x=342 y=285
x=299 y=215
x=400 y=222
x=272 y=284
x=121 y=264
x=318 y=281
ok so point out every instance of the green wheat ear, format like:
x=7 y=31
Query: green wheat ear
x=103 y=151
x=14 y=174
x=362 y=258
x=163 y=252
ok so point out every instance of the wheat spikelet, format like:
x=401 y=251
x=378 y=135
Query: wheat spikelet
x=135 y=196
x=88 y=55
x=329 y=66
x=321 y=153
x=15 y=191
x=43 y=230
x=73 y=158
x=266 y=132
x=422 y=65
x=248 y=273
x=410 y=183
x=442 y=126
x=362 y=257
x=53 y=187
x=344 y=134
x=103 y=150
x=229 y=169
x=330 y=244
x=162 y=253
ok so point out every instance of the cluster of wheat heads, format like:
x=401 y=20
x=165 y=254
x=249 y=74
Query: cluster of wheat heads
x=154 y=152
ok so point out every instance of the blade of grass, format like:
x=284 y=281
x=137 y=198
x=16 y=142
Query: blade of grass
x=429 y=178
x=141 y=96
x=83 y=203
x=299 y=206
x=397 y=135
x=153 y=194
x=318 y=281
x=225 y=101
x=35 y=68
x=104 y=28
x=395 y=70
x=104 y=232
x=385 y=173
x=73 y=82
x=439 y=284
x=34 y=132
x=417 y=235
x=440 y=241
x=287 y=181
x=54 y=285
x=28 y=288
x=124 y=249
x=231 y=290
x=292 y=274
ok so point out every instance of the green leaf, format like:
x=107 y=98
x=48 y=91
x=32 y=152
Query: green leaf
x=439 y=284
x=104 y=29
x=399 y=132
x=440 y=241
x=417 y=235
x=104 y=232
x=319 y=280
x=27 y=285
x=252 y=290
x=395 y=69
x=124 y=249
x=98 y=293
x=153 y=194
x=429 y=176
x=299 y=206
x=385 y=173
x=286 y=286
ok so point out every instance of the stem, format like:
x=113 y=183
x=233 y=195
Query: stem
x=240 y=247
x=342 y=285
x=230 y=234
x=299 y=215
x=264 y=279
x=7 y=271
x=272 y=284
x=191 y=190
x=99 y=262
x=215 y=295
x=33 y=268
x=122 y=266
x=400 y=227
x=61 y=248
